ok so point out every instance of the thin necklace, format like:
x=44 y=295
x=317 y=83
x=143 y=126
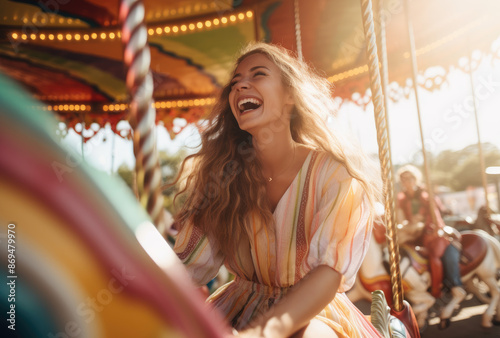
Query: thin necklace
x=270 y=179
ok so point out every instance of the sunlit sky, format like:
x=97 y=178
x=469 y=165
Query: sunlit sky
x=447 y=116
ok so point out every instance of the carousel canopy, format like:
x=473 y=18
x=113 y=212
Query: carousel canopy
x=69 y=54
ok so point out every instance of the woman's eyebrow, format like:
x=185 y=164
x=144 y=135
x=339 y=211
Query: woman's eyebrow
x=251 y=69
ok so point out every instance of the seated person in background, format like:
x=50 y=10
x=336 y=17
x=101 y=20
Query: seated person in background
x=414 y=208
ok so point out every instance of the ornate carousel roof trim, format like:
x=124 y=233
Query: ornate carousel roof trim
x=88 y=34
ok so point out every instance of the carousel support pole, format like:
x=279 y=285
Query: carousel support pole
x=430 y=191
x=142 y=116
x=384 y=150
x=385 y=79
x=400 y=309
x=479 y=145
x=298 y=37
x=385 y=68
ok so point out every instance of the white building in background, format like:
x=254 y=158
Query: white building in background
x=467 y=203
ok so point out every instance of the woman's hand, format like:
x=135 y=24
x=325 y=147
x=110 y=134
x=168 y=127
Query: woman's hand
x=260 y=328
x=294 y=311
x=234 y=333
x=253 y=332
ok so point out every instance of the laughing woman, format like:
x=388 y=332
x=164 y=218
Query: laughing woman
x=277 y=198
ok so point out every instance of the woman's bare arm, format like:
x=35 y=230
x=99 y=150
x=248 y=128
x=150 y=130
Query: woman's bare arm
x=311 y=295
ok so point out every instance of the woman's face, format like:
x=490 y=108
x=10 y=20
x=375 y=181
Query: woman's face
x=258 y=96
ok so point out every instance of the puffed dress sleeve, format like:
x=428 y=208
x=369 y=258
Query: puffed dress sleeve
x=197 y=254
x=342 y=224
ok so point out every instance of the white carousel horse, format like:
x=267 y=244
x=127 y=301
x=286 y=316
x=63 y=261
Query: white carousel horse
x=417 y=279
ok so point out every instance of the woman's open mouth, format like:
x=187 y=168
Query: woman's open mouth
x=248 y=104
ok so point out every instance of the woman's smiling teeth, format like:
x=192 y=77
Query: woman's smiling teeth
x=248 y=104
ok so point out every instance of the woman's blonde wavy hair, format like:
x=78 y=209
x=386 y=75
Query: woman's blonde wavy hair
x=225 y=183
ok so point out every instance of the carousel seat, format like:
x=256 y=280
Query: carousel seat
x=88 y=261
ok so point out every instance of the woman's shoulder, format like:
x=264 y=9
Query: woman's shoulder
x=328 y=174
x=328 y=166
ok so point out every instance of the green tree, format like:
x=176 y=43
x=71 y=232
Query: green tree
x=460 y=169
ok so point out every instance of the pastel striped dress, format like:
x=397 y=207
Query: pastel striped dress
x=323 y=218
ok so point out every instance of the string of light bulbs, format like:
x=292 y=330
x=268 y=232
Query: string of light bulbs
x=116 y=107
x=155 y=30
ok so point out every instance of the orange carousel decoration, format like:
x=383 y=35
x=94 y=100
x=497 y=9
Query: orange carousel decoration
x=69 y=55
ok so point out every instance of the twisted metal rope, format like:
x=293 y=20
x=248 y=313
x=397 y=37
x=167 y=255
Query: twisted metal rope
x=383 y=150
x=381 y=38
x=385 y=66
x=142 y=112
x=298 y=36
